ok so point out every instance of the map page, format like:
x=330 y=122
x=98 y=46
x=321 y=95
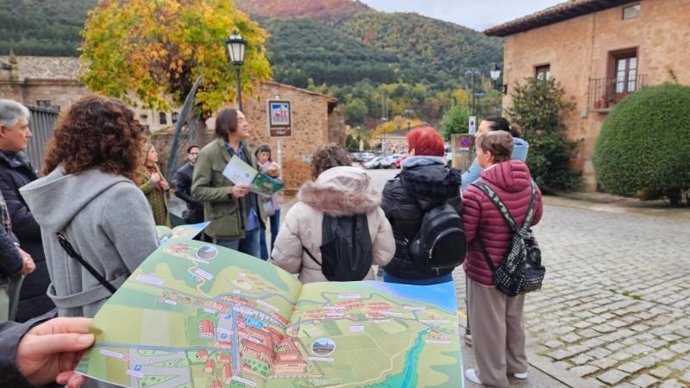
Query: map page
x=196 y=314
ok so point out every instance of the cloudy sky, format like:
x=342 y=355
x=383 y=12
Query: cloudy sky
x=475 y=14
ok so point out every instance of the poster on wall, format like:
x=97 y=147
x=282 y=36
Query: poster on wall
x=279 y=119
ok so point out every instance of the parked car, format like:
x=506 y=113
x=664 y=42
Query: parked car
x=366 y=156
x=389 y=161
x=373 y=163
x=398 y=162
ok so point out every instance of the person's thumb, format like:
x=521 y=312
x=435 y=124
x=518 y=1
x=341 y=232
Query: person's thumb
x=46 y=345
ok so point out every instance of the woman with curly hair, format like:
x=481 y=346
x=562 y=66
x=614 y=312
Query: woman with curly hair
x=88 y=195
x=339 y=191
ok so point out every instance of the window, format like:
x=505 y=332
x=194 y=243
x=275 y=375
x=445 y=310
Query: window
x=625 y=73
x=174 y=117
x=43 y=103
x=542 y=72
x=631 y=12
x=162 y=118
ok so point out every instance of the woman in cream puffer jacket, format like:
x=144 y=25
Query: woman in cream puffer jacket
x=337 y=191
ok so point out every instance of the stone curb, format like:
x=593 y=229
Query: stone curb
x=547 y=367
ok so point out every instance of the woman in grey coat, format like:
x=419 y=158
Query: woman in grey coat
x=89 y=196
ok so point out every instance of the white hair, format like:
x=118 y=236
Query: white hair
x=12 y=111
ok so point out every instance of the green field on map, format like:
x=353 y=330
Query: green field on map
x=199 y=315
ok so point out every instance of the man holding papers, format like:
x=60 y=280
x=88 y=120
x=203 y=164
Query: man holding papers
x=235 y=212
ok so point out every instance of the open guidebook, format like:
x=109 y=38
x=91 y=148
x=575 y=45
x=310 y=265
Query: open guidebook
x=196 y=314
x=240 y=172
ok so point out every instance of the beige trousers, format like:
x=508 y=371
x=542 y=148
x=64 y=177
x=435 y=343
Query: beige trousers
x=498 y=333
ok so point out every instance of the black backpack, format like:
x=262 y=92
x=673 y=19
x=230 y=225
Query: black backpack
x=346 y=249
x=440 y=242
x=520 y=270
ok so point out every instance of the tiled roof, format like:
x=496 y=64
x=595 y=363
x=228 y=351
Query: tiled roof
x=555 y=14
x=63 y=68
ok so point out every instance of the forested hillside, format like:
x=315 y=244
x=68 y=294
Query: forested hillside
x=377 y=64
x=42 y=27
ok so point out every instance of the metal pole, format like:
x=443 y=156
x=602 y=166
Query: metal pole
x=474 y=95
x=239 y=88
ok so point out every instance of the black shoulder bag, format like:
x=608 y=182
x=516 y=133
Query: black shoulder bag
x=65 y=244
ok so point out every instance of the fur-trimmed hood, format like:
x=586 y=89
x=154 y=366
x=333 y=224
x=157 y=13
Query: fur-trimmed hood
x=341 y=191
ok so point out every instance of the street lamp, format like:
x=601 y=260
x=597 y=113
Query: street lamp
x=474 y=76
x=495 y=75
x=236 y=46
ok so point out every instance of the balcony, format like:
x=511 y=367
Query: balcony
x=604 y=93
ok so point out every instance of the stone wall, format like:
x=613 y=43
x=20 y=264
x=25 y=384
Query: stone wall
x=580 y=48
x=315 y=121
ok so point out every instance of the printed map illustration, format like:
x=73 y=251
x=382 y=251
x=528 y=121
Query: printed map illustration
x=199 y=315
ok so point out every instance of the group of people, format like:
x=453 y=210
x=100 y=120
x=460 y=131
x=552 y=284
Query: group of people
x=93 y=194
x=394 y=218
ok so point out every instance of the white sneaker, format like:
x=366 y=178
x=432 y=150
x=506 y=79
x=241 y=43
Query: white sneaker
x=520 y=376
x=471 y=375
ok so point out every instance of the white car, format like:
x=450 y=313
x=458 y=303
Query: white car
x=374 y=163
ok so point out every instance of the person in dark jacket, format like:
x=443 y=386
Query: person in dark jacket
x=496 y=319
x=183 y=187
x=13 y=260
x=427 y=182
x=43 y=351
x=15 y=172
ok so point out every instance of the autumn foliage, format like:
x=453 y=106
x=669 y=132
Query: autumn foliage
x=154 y=50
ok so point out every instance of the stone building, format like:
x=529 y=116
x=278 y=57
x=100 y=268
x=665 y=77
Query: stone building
x=600 y=51
x=315 y=118
x=54 y=82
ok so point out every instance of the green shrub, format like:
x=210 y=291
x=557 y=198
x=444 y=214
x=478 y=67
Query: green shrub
x=644 y=143
x=538 y=107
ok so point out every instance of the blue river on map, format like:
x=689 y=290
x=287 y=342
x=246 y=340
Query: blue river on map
x=408 y=377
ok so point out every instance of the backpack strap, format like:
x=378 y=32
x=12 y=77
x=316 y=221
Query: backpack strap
x=493 y=196
x=73 y=254
x=310 y=255
x=496 y=199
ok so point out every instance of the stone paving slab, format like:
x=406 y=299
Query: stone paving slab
x=615 y=305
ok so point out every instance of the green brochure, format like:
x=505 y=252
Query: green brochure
x=196 y=314
x=239 y=172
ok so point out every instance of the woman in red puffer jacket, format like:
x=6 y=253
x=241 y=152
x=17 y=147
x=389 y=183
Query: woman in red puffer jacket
x=496 y=319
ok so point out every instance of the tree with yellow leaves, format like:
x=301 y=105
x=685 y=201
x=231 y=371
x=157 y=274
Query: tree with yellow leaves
x=153 y=50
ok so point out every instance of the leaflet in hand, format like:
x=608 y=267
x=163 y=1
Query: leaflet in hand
x=240 y=173
x=194 y=314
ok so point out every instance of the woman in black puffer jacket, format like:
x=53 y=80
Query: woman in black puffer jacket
x=427 y=182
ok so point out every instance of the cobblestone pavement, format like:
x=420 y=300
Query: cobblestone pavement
x=615 y=305
x=614 y=309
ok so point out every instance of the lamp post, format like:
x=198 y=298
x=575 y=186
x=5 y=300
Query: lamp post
x=474 y=76
x=495 y=75
x=236 y=46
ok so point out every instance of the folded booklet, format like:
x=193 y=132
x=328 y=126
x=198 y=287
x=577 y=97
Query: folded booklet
x=196 y=314
x=239 y=172
x=187 y=231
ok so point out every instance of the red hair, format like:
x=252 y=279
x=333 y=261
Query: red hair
x=425 y=141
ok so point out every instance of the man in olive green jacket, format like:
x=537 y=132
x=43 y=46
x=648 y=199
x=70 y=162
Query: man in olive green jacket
x=235 y=213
